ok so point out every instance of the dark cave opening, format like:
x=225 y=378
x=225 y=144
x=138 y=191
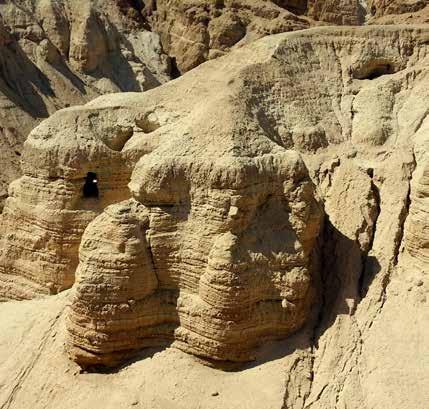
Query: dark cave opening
x=373 y=70
x=90 y=188
x=379 y=71
x=174 y=69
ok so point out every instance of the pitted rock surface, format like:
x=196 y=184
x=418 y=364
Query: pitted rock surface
x=206 y=224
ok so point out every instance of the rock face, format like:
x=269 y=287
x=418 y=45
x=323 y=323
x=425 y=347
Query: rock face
x=340 y=12
x=398 y=11
x=54 y=54
x=192 y=215
x=39 y=247
x=194 y=31
x=216 y=236
x=215 y=254
x=383 y=7
x=172 y=264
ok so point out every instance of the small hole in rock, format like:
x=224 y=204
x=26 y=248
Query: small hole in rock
x=379 y=71
x=90 y=188
x=174 y=69
x=374 y=70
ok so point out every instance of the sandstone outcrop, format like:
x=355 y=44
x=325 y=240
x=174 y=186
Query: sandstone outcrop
x=48 y=210
x=339 y=12
x=213 y=254
x=191 y=215
x=383 y=7
x=195 y=31
x=398 y=12
x=361 y=145
x=56 y=54
x=217 y=187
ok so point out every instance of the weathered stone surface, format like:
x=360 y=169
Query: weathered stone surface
x=383 y=7
x=54 y=54
x=217 y=258
x=194 y=31
x=218 y=191
x=398 y=11
x=47 y=210
x=340 y=12
x=361 y=157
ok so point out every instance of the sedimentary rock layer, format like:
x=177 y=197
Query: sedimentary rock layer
x=197 y=289
x=48 y=210
x=194 y=31
x=215 y=236
x=55 y=54
x=214 y=254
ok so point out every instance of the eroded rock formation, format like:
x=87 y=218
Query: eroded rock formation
x=194 y=31
x=55 y=54
x=339 y=12
x=398 y=12
x=214 y=254
x=359 y=146
x=198 y=206
x=47 y=210
x=216 y=236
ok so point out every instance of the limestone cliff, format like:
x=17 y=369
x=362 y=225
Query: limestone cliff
x=217 y=236
x=278 y=192
x=55 y=54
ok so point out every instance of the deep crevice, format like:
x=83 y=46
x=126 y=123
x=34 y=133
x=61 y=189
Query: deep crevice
x=403 y=217
x=366 y=260
x=174 y=69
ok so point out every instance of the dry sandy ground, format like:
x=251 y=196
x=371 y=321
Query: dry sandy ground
x=35 y=372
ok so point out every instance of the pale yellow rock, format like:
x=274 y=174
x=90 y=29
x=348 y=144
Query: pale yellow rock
x=54 y=54
x=220 y=163
x=216 y=258
x=194 y=31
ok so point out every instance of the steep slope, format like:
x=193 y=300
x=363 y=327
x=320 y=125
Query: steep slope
x=194 y=31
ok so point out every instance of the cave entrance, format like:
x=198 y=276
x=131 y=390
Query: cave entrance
x=90 y=188
x=382 y=69
x=373 y=70
x=174 y=69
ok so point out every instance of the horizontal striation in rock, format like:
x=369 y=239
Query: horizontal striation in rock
x=236 y=276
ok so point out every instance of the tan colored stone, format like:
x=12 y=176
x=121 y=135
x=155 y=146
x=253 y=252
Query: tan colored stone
x=54 y=54
x=217 y=266
x=216 y=172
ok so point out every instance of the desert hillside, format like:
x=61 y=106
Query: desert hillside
x=59 y=53
x=226 y=205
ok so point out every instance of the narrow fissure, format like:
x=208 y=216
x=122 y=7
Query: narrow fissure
x=366 y=264
x=326 y=241
x=403 y=217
